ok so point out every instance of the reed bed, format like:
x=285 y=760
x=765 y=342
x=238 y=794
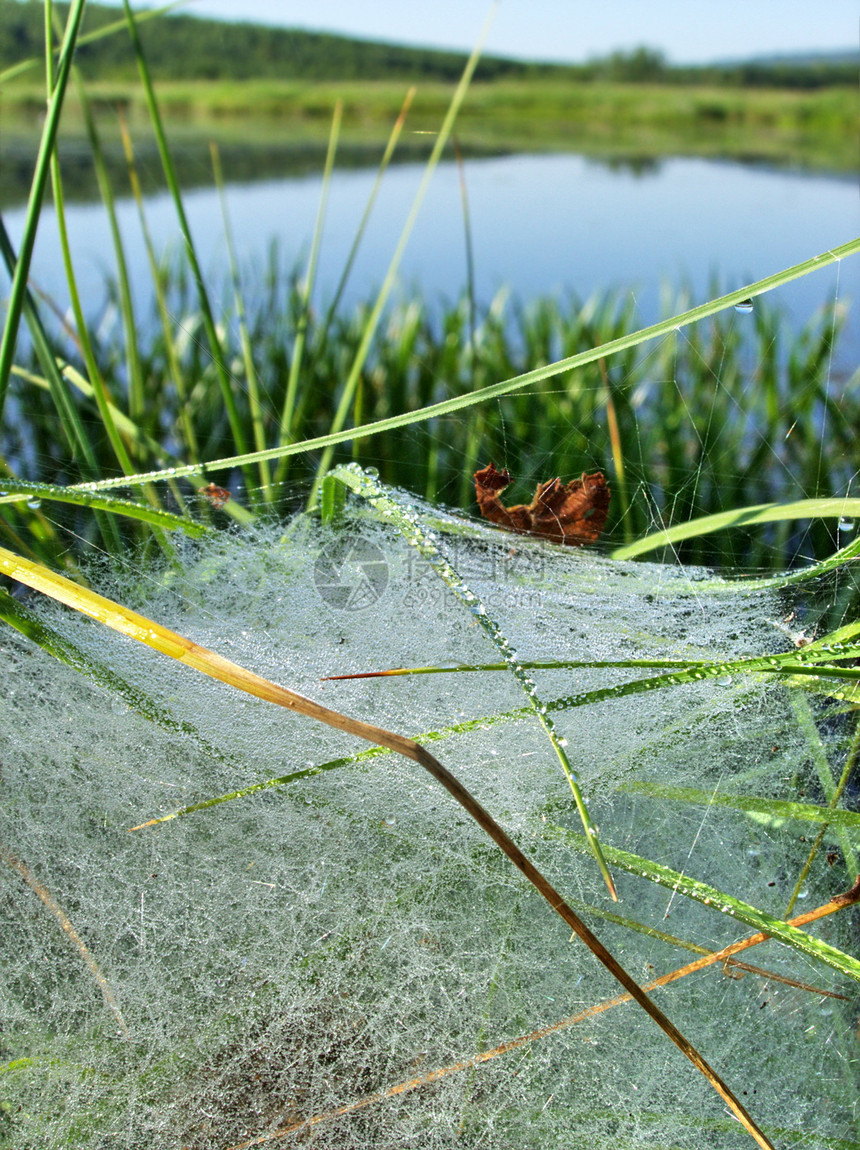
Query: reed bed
x=736 y=411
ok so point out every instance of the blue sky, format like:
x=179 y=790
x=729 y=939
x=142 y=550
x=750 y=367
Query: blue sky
x=686 y=30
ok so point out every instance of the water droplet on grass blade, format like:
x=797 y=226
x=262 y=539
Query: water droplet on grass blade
x=846 y=525
x=744 y=307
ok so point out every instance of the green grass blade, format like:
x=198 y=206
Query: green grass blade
x=741 y=517
x=136 y=387
x=526 y=379
x=154 y=516
x=174 y=367
x=27 y=623
x=70 y=420
x=718 y=900
x=37 y=192
x=769 y=812
x=89 y=38
x=332 y=499
x=217 y=351
x=255 y=407
x=831 y=788
x=287 y=415
x=351 y=384
x=393 y=140
x=82 y=333
x=785 y=661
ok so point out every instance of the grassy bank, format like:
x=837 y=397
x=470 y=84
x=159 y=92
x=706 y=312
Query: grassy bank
x=815 y=129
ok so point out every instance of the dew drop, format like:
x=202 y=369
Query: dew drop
x=34 y=504
x=724 y=680
x=846 y=525
x=744 y=307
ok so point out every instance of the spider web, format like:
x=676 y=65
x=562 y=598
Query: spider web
x=342 y=959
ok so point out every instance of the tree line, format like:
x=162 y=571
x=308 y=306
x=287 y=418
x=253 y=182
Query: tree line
x=180 y=47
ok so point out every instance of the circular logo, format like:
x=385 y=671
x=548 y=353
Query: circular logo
x=350 y=573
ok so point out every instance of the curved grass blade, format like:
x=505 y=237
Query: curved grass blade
x=773 y=812
x=48 y=139
x=710 y=896
x=154 y=516
x=515 y=383
x=742 y=517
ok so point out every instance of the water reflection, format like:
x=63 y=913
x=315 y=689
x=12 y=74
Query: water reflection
x=540 y=225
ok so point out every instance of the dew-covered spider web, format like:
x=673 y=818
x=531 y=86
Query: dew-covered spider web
x=342 y=959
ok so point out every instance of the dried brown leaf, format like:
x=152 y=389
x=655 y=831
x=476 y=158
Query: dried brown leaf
x=571 y=514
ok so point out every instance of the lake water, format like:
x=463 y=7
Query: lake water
x=540 y=223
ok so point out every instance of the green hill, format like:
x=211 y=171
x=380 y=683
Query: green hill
x=181 y=47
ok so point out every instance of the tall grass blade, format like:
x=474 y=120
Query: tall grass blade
x=90 y=38
x=255 y=407
x=82 y=332
x=69 y=417
x=285 y=431
x=37 y=192
x=393 y=140
x=388 y=283
x=223 y=375
x=154 y=516
x=717 y=900
x=174 y=367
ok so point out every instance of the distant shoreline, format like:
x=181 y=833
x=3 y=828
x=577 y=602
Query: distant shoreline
x=289 y=121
